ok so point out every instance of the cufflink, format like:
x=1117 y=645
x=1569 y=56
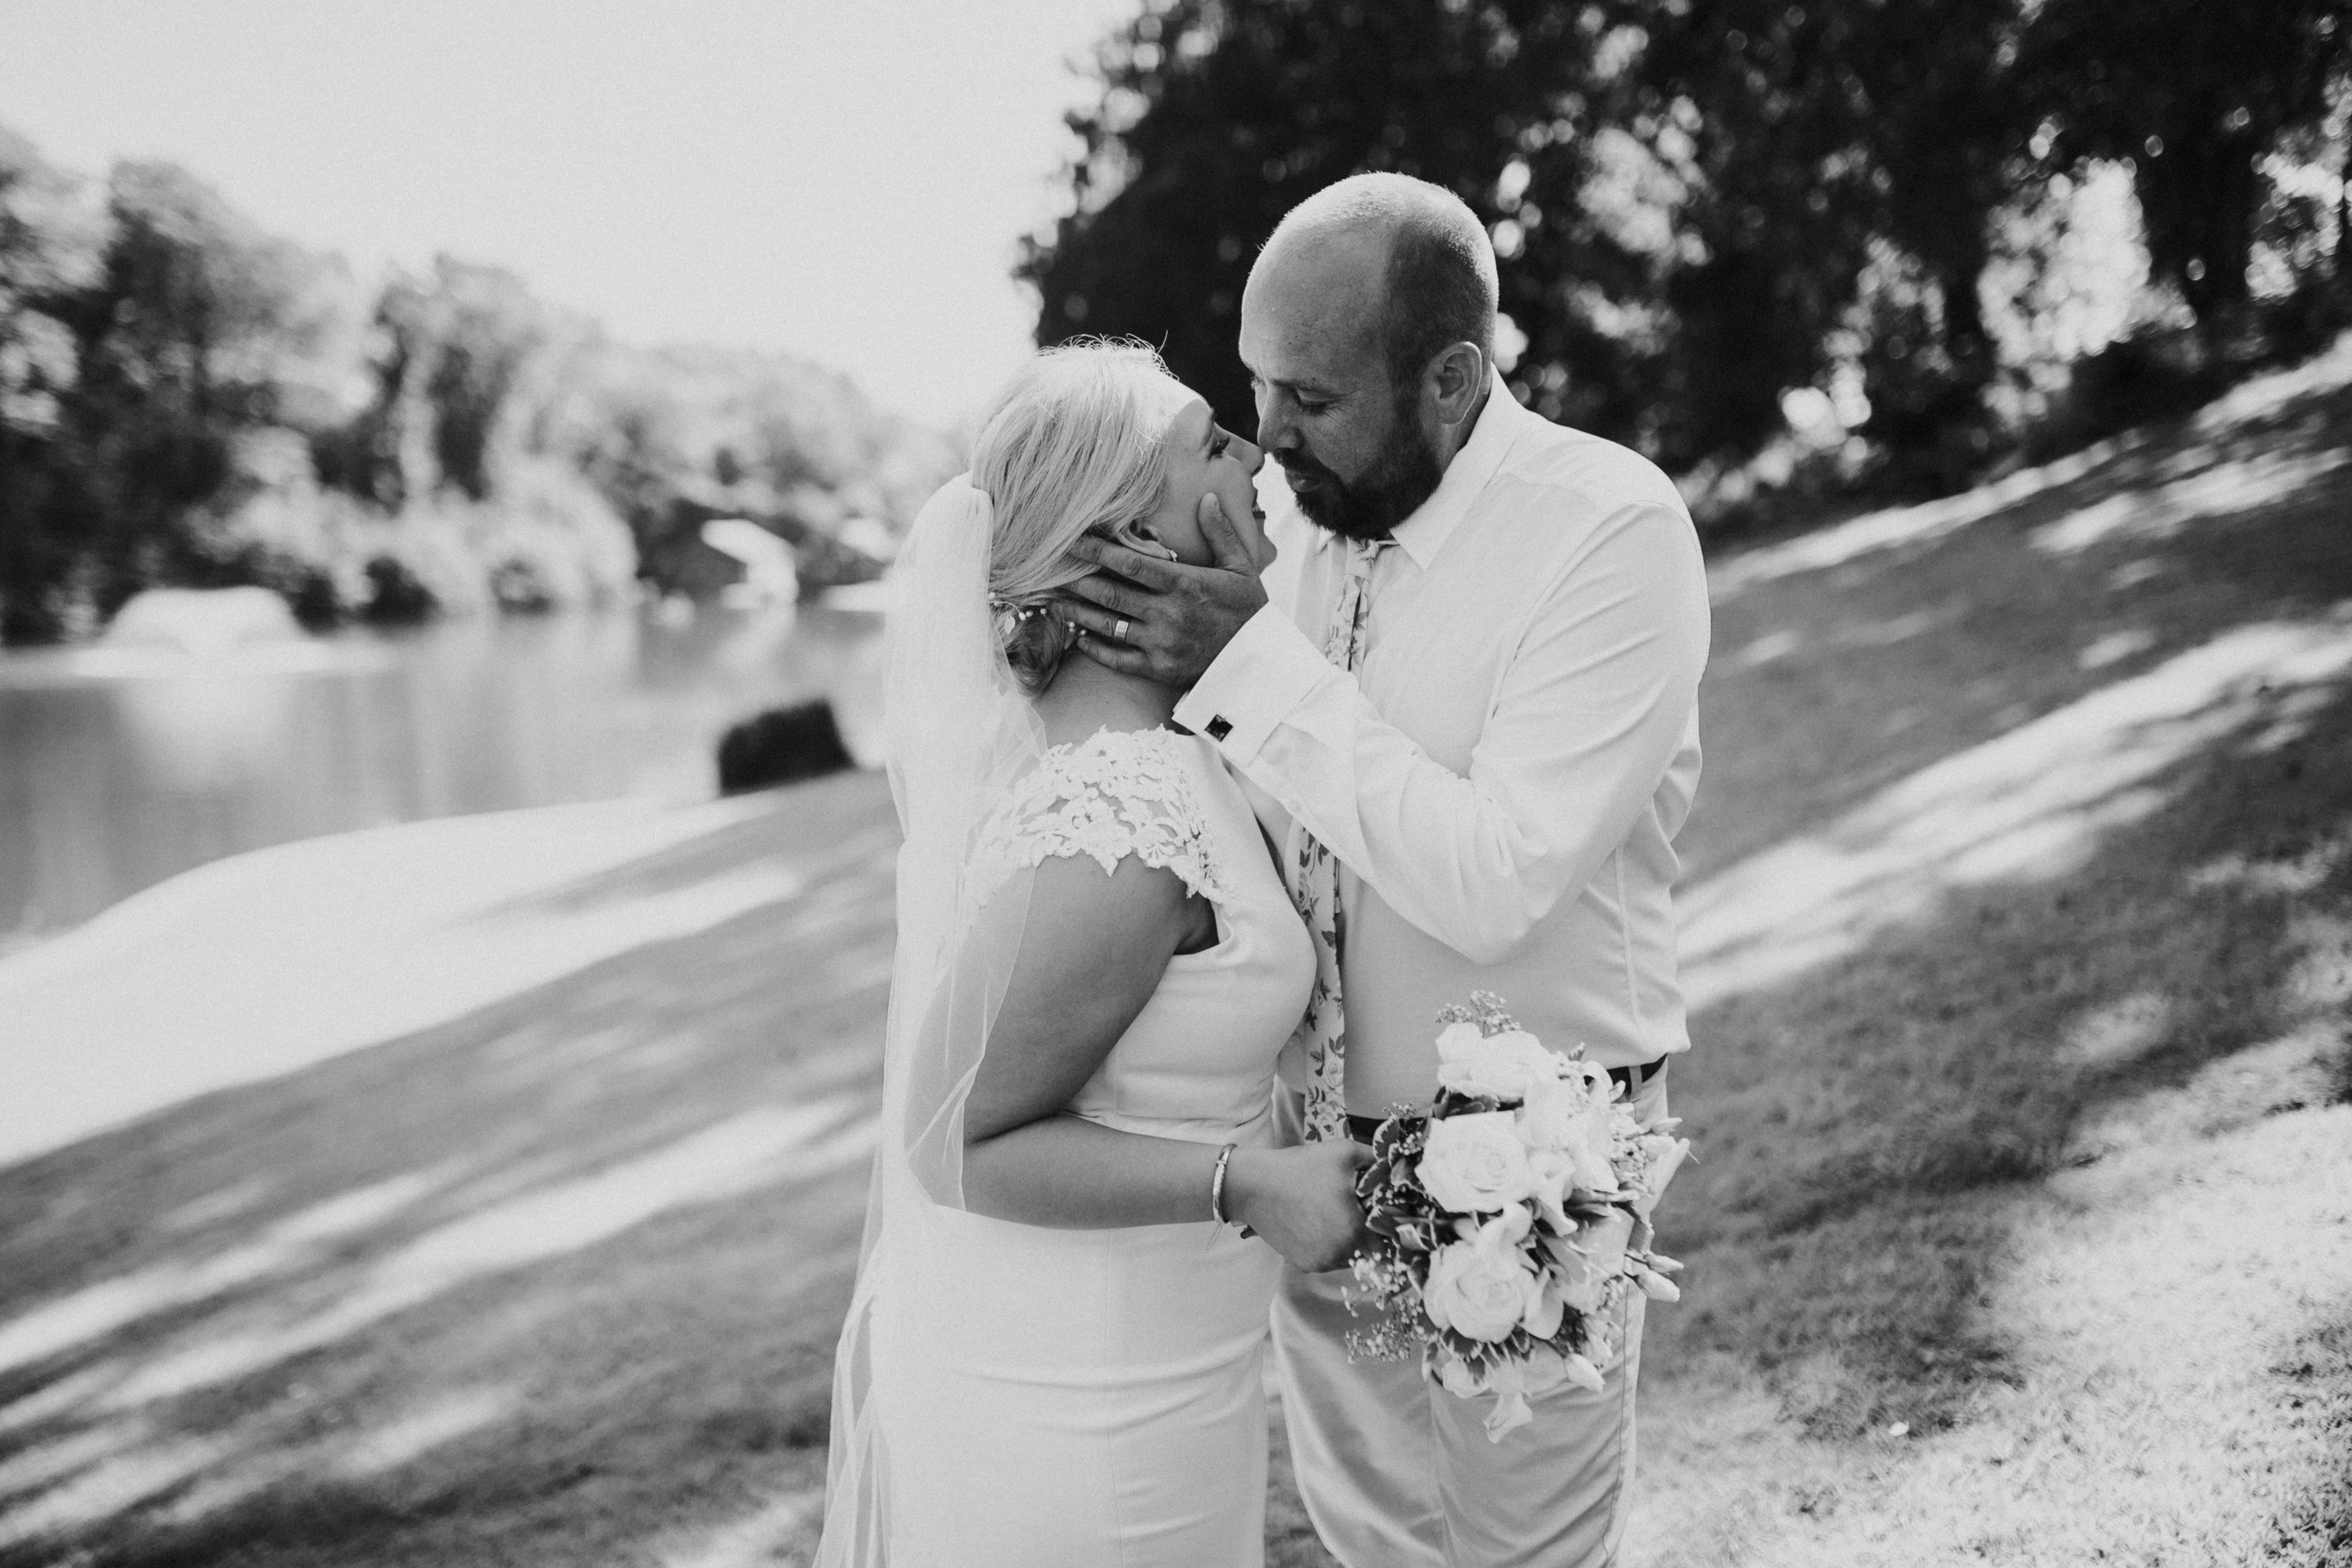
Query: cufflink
x=1220 y=727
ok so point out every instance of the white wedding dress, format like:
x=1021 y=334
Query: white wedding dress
x=1091 y=1398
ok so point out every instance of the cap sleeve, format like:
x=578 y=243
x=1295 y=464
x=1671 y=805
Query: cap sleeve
x=1118 y=793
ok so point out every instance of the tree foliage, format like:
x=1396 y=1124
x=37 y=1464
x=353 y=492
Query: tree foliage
x=185 y=400
x=1699 y=204
x=2194 y=94
x=1216 y=118
x=162 y=350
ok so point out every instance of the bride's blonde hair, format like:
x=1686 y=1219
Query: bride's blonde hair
x=1075 y=444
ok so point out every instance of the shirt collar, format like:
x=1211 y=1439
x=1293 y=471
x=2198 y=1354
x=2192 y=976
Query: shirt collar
x=1424 y=533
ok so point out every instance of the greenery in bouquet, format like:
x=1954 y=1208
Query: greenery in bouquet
x=1512 y=1216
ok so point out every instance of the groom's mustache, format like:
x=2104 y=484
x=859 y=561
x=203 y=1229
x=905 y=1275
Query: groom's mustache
x=1301 y=464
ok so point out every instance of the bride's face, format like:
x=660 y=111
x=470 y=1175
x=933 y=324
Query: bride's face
x=1206 y=459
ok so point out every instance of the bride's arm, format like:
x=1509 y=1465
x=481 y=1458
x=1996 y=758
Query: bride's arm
x=1091 y=956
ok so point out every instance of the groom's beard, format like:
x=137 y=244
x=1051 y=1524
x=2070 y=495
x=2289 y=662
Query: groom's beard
x=1376 y=500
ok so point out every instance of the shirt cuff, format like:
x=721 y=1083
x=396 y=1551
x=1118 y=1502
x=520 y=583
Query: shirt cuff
x=1259 y=679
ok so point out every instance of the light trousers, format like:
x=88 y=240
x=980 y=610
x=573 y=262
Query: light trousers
x=1397 y=1473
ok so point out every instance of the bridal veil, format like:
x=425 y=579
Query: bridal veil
x=959 y=730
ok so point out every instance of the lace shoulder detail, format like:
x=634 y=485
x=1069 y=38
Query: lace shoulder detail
x=1116 y=793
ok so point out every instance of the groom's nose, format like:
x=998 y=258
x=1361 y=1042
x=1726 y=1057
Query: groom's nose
x=1276 y=431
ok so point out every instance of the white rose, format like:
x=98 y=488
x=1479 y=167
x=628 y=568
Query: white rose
x=1475 y=1164
x=1540 y=1058
x=1548 y=1119
x=1479 y=1290
x=1504 y=1065
x=1594 y=1174
x=1456 y=1038
x=1570 y=1118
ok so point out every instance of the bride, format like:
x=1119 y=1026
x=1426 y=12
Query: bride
x=1051 y=1358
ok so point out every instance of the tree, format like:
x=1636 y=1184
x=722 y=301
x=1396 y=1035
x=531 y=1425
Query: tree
x=449 y=364
x=1683 y=195
x=2193 y=94
x=159 y=351
x=1217 y=118
x=1837 y=146
x=48 y=249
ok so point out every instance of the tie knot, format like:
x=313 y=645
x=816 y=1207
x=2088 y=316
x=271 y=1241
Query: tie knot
x=1363 y=552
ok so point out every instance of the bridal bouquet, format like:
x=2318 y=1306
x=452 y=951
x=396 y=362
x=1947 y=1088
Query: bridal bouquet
x=1512 y=1217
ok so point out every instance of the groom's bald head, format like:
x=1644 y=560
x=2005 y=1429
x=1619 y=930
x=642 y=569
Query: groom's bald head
x=1410 y=258
x=1368 y=327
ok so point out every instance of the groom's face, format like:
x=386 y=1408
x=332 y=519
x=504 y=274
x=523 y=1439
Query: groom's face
x=1350 y=444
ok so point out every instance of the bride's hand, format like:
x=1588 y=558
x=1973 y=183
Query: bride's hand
x=1301 y=1200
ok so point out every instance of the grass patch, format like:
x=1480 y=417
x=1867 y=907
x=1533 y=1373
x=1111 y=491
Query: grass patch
x=554 y=1283
x=2021 y=1231
x=2034 y=1172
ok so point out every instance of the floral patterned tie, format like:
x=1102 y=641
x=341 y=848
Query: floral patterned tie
x=1322 y=1036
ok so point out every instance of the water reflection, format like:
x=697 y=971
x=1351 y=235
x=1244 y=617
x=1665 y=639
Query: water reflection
x=121 y=767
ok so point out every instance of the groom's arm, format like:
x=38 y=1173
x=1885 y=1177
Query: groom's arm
x=1596 y=701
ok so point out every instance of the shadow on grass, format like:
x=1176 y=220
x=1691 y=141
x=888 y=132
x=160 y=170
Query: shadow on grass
x=2156 y=954
x=541 y=1284
x=1857 y=1128
x=600 y=1303
x=832 y=828
x=1940 y=640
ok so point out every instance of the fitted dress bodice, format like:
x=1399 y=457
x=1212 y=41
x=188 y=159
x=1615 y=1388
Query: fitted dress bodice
x=1059 y=1398
x=1194 y=1063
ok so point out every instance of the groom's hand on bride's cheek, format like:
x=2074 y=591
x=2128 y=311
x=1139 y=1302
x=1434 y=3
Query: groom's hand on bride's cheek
x=1164 y=619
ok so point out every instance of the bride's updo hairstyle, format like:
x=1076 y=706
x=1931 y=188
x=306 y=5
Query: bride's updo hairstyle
x=1073 y=445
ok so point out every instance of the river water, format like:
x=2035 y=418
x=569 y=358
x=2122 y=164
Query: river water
x=121 y=767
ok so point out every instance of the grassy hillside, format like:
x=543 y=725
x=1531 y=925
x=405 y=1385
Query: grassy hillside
x=2020 y=925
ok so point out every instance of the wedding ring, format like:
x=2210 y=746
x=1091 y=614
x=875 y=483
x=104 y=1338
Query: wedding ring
x=1120 y=631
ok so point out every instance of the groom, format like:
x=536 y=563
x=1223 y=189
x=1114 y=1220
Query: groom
x=1464 y=700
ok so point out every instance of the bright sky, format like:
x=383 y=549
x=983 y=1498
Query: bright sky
x=842 y=179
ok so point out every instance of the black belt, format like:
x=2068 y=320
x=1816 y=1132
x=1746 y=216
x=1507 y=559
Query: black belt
x=1362 y=1128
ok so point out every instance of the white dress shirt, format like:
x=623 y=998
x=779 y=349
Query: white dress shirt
x=1503 y=779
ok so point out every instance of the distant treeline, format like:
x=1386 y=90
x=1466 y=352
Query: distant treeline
x=188 y=401
x=1781 y=247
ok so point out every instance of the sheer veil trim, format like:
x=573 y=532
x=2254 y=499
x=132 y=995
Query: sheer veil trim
x=982 y=803
x=958 y=731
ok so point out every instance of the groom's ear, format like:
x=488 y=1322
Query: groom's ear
x=1457 y=376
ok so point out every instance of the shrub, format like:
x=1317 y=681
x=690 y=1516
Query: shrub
x=396 y=594
x=781 y=746
x=2154 y=375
